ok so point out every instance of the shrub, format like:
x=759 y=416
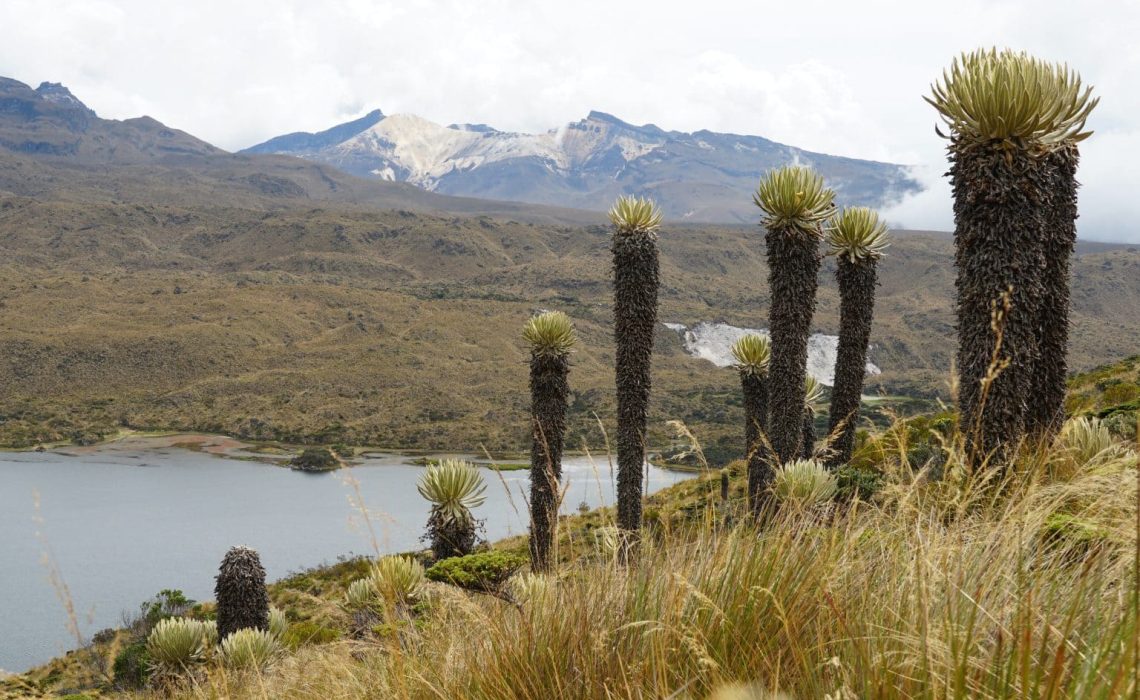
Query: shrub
x=485 y=571
x=1122 y=424
x=176 y=643
x=249 y=648
x=315 y=459
x=169 y=602
x=398 y=579
x=132 y=666
x=855 y=482
x=804 y=482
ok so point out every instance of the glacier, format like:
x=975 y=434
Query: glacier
x=713 y=342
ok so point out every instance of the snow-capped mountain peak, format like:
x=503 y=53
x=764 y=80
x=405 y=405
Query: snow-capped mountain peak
x=702 y=176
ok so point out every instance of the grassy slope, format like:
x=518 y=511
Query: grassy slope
x=934 y=589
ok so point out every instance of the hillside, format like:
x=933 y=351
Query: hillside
x=586 y=164
x=275 y=298
x=401 y=329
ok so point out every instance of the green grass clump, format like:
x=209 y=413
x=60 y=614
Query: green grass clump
x=309 y=633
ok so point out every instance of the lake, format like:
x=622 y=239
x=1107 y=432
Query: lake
x=125 y=520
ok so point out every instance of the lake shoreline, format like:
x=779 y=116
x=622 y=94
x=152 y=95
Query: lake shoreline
x=280 y=454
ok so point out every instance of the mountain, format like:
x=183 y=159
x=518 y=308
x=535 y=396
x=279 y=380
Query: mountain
x=50 y=121
x=53 y=146
x=303 y=142
x=702 y=176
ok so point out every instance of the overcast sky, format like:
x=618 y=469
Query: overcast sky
x=840 y=77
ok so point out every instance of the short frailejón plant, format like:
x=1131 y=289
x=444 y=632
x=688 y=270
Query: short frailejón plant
x=278 y=623
x=453 y=487
x=551 y=338
x=635 y=268
x=398 y=580
x=243 y=601
x=1007 y=113
x=795 y=203
x=752 y=354
x=804 y=483
x=176 y=643
x=361 y=594
x=1083 y=443
x=249 y=649
x=857 y=238
x=813 y=395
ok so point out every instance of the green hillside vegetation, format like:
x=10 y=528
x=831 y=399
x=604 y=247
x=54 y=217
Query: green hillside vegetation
x=1111 y=393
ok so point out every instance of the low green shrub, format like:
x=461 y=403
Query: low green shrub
x=131 y=669
x=483 y=571
x=315 y=459
x=855 y=482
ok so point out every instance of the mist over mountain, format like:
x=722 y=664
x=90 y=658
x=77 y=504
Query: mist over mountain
x=586 y=164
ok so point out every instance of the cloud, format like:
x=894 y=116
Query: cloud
x=928 y=210
x=844 y=78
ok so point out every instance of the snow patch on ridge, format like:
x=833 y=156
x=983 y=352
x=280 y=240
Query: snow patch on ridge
x=713 y=342
x=429 y=151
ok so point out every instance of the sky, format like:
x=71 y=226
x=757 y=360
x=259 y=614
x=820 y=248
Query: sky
x=841 y=77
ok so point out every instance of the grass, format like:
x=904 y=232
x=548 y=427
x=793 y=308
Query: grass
x=936 y=591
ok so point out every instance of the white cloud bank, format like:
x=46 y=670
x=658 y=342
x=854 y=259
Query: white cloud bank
x=845 y=78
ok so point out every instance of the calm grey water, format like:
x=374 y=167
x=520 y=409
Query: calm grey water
x=123 y=523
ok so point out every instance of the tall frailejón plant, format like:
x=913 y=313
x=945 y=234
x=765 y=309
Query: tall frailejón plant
x=751 y=353
x=813 y=394
x=857 y=239
x=453 y=487
x=243 y=601
x=794 y=202
x=635 y=269
x=1006 y=113
x=551 y=338
x=1049 y=373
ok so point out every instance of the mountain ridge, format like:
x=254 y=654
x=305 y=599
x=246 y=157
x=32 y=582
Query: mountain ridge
x=585 y=164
